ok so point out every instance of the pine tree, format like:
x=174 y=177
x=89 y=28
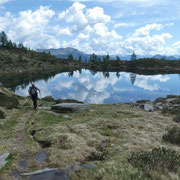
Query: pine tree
x=80 y=59
x=3 y=38
x=118 y=58
x=133 y=56
x=70 y=57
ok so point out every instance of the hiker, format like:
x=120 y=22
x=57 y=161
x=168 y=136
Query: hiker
x=33 y=94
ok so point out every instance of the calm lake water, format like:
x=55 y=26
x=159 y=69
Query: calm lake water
x=99 y=88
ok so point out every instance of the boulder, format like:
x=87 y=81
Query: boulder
x=69 y=107
x=3 y=160
x=148 y=107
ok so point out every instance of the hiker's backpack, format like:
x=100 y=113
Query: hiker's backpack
x=32 y=91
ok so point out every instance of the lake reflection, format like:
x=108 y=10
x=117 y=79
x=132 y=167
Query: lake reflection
x=105 y=87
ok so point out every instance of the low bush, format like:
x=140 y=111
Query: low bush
x=175 y=101
x=173 y=135
x=9 y=102
x=49 y=99
x=174 y=110
x=177 y=118
x=2 y=114
x=158 y=159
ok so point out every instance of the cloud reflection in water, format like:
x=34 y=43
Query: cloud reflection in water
x=106 y=88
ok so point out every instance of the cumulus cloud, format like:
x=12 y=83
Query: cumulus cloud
x=75 y=15
x=62 y=31
x=96 y=15
x=4 y=1
x=87 y=29
x=31 y=28
x=142 y=42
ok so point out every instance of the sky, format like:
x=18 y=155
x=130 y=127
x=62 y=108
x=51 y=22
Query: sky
x=115 y=27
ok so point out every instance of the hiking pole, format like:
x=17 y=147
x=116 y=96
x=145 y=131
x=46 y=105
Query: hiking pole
x=40 y=94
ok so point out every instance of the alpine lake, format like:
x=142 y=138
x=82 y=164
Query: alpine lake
x=104 y=87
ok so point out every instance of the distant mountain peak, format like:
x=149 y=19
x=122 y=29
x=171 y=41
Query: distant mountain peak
x=64 y=52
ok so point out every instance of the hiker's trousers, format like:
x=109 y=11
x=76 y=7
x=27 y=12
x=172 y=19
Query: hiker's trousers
x=34 y=98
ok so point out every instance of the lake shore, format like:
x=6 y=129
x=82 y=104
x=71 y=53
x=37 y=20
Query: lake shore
x=103 y=142
x=21 y=67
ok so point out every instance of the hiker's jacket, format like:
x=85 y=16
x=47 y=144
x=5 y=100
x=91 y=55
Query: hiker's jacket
x=33 y=90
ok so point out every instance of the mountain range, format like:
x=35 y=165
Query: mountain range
x=64 y=52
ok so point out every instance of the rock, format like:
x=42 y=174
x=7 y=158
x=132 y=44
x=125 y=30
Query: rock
x=44 y=107
x=3 y=160
x=51 y=175
x=23 y=163
x=47 y=174
x=104 y=144
x=41 y=157
x=148 y=107
x=159 y=106
x=66 y=116
x=69 y=107
x=87 y=166
x=39 y=171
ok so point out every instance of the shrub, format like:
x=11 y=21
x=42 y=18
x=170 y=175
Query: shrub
x=49 y=99
x=173 y=135
x=2 y=114
x=177 y=118
x=174 y=110
x=175 y=101
x=8 y=102
x=158 y=159
x=100 y=154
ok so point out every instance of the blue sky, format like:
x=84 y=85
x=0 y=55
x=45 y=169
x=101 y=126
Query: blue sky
x=147 y=27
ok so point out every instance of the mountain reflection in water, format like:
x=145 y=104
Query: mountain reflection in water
x=105 y=87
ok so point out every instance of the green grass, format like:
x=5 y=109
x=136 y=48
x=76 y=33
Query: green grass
x=46 y=119
x=8 y=125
